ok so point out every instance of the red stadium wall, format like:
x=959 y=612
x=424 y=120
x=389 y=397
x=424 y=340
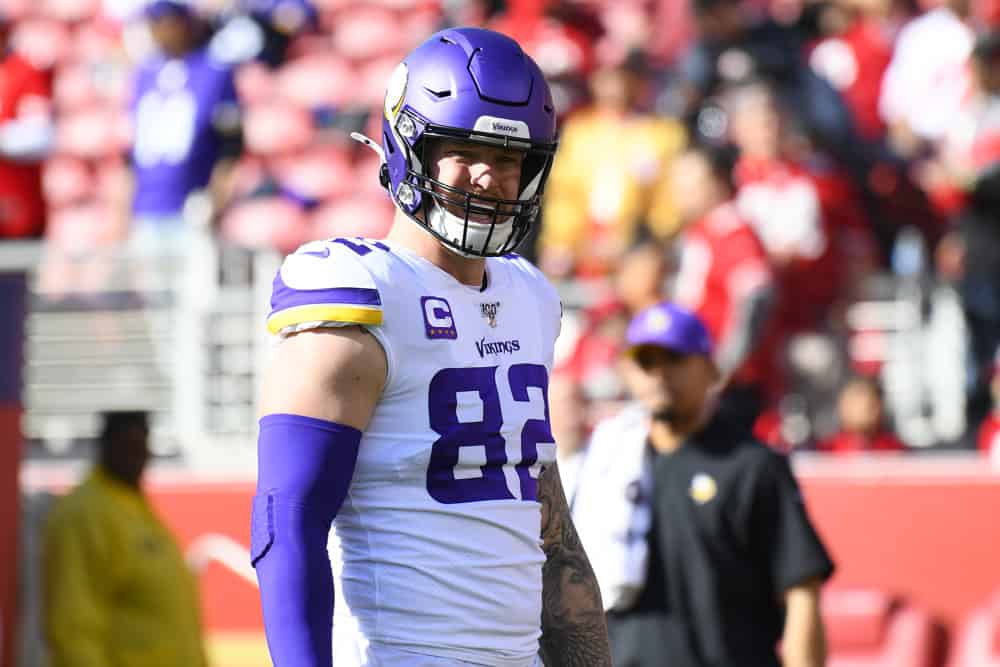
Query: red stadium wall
x=924 y=527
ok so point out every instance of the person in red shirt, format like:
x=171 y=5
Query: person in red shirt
x=853 y=56
x=725 y=278
x=862 y=421
x=988 y=438
x=807 y=215
x=26 y=135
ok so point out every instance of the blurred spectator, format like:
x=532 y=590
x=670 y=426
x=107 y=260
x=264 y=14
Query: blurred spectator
x=733 y=46
x=971 y=143
x=853 y=55
x=697 y=533
x=806 y=214
x=591 y=361
x=725 y=278
x=26 y=135
x=861 y=412
x=117 y=589
x=568 y=416
x=263 y=30
x=988 y=438
x=608 y=178
x=970 y=255
x=641 y=280
x=923 y=88
x=187 y=126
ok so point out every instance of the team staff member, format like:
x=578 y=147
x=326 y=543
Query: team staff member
x=698 y=535
x=117 y=589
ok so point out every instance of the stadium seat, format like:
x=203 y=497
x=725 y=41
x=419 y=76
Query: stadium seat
x=81 y=228
x=70 y=11
x=98 y=41
x=364 y=215
x=74 y=88
x=366 y=174
x=366 y=32
x=65 y=181
x=870 y=628
x=255 y=84
x=266 y=222
x=16 y=10
x=277 y=128
x=94 y=132
x=316 y=175
x=372 y=78
x=977 y=643
x=43 y=42
x=317 y=82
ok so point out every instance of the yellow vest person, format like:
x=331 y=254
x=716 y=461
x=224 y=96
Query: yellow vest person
x=117 y=590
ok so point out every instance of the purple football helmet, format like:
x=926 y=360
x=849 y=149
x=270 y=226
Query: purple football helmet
x=477 y=86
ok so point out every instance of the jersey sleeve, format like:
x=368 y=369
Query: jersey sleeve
x=323 y=285
x=793 y=550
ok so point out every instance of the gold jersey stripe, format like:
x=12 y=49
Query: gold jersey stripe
x=323 y=313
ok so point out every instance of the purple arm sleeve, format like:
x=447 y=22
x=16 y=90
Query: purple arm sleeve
x=304 y=468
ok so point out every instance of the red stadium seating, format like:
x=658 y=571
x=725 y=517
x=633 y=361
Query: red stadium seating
x=43 y=42
x=66 y=180
x=366 y=173
x=81 y=228
x=70 y=11
x=267 y=222
x=277 y=128
x=366 y=215
x=255 y=84
x=318 y=174
x=74 y=88
x=870 y=628
x=94 y=132
x=372 y=78
x=317 y=81
x=366 y=32
x=977 y=643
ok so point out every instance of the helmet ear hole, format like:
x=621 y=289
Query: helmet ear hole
x=383 y=176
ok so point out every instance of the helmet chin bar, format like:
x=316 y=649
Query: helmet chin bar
x=506 y=223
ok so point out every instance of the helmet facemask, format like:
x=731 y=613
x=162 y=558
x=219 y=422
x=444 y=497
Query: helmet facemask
x=468 y=223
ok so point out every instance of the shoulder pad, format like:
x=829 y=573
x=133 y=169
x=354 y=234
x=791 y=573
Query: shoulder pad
x=323 y=284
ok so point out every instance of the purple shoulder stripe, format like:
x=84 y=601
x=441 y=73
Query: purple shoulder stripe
x=284 y=297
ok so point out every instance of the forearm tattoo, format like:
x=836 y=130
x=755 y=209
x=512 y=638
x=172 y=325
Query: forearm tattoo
x=574 y=632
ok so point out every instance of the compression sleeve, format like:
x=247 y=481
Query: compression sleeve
x=305 y=467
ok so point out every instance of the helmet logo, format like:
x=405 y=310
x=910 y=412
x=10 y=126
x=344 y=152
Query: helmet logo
x=395 y=91
x=506 y=126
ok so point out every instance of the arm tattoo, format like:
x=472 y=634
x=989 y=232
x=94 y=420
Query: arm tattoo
x=574 y=632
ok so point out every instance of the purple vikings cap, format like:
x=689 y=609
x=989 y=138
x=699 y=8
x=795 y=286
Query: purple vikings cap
x=670 y=326
x=160 y=8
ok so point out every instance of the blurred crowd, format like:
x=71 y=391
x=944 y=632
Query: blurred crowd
x=767 y=163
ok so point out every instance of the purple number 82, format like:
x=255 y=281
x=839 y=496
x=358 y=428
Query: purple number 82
x=447 y=482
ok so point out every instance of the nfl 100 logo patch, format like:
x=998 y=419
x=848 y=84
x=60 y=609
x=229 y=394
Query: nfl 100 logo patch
x=489 y=311
x=439 y=323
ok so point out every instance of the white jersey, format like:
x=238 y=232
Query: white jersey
x=437 y=550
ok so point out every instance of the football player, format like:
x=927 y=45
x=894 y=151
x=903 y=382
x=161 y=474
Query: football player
x=406 y=403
